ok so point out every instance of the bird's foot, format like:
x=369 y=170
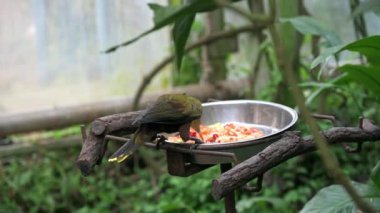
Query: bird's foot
x=160 y=139
x=197 y=142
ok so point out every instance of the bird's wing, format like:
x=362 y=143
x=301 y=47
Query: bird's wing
x=164 y=112
x=137 y=120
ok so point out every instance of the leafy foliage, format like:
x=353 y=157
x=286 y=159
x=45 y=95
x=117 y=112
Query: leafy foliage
x=180 y=33
x=326 y=53
x=349 y=80
x=365 y=76
x=366 y=6
x=191 y=72
x=45 y=183
x=369 y=47
x=375 y=175
x=182 y=16
x=310 y=25
x=335 y=199
x=368 y=77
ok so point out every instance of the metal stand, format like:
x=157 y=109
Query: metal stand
x=179 y=164
x=229 y=199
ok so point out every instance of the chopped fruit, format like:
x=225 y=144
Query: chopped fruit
x=220 y=133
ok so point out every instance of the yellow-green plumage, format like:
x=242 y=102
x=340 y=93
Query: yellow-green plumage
x=170 y=113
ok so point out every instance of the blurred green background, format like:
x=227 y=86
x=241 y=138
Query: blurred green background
x=65 y=63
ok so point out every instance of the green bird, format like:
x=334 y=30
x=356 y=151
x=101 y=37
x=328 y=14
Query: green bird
x=170 y=113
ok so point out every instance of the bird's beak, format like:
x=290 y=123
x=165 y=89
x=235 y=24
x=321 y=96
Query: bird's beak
x=196 y=125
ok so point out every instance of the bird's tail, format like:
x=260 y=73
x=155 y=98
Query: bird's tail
x=126 y=150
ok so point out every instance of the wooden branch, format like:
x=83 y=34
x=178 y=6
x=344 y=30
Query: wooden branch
x=289 y=146
x=114 y=123
x=91 y=154
x=202 y=41
x=94 y=146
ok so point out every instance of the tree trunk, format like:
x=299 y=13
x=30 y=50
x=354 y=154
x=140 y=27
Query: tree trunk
x=214 y=55
x=286 y=9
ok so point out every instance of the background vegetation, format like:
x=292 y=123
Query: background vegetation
x=45 y=181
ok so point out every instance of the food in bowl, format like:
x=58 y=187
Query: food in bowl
x=223 y=133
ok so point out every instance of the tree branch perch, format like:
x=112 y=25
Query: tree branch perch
x=289 y=146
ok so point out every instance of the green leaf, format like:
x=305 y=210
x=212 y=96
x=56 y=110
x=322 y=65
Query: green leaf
x=335 y=199
x=315 y=84
x=372 y=194
x=322 y=87
x=375 y=175
x=162 y=16
x=161 y=13
x=314 y=94
x=165 y=15
x=310 y=25
x=368 y=77
x=367 y=6
x=180 y=33
x=325 y=54
x=369 y=47
x=182 y=17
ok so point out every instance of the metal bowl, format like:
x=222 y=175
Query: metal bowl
x=272 y=118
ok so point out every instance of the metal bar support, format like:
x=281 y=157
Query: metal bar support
x=229 y=199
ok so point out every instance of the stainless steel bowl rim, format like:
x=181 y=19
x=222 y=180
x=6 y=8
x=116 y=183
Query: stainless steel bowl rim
x=291 y=111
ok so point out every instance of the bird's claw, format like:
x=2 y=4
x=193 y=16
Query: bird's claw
x=194 y=146
x=160 y=139
x=197 y=142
